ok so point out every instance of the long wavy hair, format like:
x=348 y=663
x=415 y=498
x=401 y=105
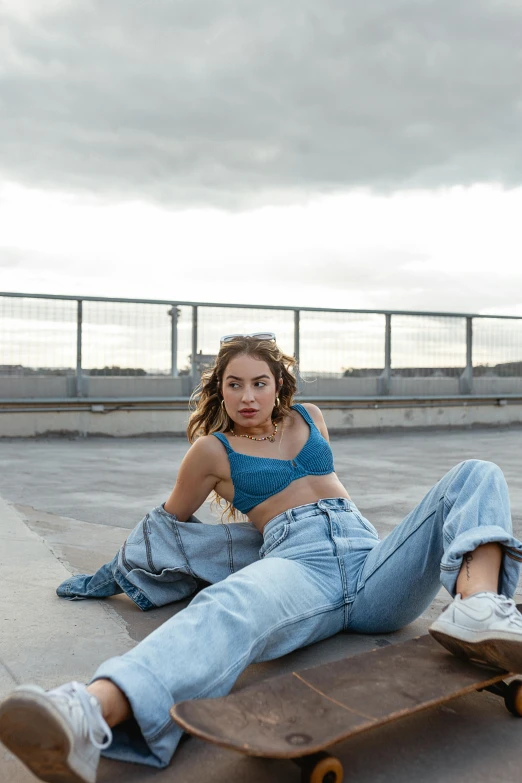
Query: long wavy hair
x=209 y=415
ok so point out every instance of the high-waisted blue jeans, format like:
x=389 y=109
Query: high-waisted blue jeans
x=317 y=569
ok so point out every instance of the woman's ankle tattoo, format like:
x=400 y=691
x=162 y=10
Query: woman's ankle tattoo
x=467 y=559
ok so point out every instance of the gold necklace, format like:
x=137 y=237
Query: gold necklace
x=271 y=437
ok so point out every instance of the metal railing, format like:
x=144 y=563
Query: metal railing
x=350 y=352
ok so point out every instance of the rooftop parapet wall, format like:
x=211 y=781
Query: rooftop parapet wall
x=38 y=387
x=95 y=387
x=119 y=419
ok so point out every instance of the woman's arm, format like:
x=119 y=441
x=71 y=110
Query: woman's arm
x=196 y=478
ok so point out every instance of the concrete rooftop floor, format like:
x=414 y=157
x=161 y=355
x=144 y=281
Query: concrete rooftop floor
x=67 y=506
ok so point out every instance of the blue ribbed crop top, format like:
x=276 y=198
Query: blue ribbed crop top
x=258 y=478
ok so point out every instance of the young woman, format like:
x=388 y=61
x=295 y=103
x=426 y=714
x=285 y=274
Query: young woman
x=305 y=566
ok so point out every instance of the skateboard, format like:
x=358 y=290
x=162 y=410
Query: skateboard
x=299 y=715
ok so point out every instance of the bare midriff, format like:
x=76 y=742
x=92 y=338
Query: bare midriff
x=308 y=489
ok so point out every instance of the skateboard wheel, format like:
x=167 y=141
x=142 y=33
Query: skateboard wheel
x=320 y=768
x=513 y=698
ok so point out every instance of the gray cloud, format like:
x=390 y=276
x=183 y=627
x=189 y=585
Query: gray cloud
x=235 y=104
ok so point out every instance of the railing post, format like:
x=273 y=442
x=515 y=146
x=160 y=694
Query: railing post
x=194 y=369
x=79 y=372
x=297 y=336
x=384 y=381
x=297 y=345
x=466 y=379
x=174 y=313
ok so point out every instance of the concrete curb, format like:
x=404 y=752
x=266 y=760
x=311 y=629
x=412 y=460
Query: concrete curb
x=46 y=640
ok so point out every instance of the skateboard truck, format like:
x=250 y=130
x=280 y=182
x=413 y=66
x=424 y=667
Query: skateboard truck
x=511 y=693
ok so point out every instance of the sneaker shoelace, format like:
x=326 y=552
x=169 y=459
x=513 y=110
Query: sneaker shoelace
x=93 y=717
x=508 y=608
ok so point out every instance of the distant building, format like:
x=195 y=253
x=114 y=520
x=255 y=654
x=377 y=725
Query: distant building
x=203 y=361
x=11 y=369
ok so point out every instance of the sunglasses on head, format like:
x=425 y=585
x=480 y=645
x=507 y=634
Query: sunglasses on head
x=228 y=338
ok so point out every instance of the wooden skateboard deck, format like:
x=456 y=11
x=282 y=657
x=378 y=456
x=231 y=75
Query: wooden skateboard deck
x=304 y=712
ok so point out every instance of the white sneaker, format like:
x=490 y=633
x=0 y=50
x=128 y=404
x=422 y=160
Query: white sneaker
x=485 y=627
x=58 y=734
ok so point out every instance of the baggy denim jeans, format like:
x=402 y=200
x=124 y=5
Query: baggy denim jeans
x=320 y=569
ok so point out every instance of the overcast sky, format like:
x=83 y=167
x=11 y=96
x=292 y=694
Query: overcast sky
x=336 y=153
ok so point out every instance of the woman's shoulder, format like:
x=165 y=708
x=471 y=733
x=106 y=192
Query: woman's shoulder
x=207 y=455
x=206 y=445
x=313 y=411
x=317 y=417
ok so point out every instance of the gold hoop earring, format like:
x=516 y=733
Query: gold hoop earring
x=276 y=404
x=223 y=403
